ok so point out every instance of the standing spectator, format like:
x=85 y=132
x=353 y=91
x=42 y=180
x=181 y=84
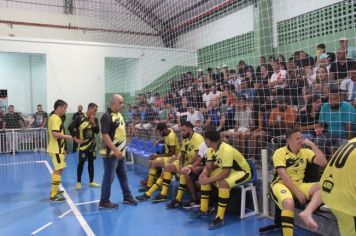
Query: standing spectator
x=348 y=86
x=12 y=119
x=207 y=96
x=40 y=118
x=79 y=113
x=113 y=151
x=218 y=77
x=337 y=118
x=339 y=68
x=351 y=52
x=159 y=103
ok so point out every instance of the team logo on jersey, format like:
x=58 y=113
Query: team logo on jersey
x=328 y=184
x=214 y=157
x=219 y=162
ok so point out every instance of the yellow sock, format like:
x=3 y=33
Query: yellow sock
x=182 y=187
x=56 y=181
x=154 y=187
x=151 y=177
x=287 y=221
x=205 y=194
x=167 y=176
x=224 y=195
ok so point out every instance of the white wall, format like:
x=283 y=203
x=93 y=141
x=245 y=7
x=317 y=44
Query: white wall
x=122 y=22
x=286 y=9
x=234 y=24
x=76 y=70
x=17 y=72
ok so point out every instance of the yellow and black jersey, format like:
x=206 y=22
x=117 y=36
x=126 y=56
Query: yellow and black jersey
x=171 y=140
x=295 y=164
x=338 y=182
x=55 y=124
x=190 y=146
x=113 y=124
x=82 y=129
x=228 y=157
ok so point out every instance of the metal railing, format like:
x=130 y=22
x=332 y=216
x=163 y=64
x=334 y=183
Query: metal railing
x=23 y=140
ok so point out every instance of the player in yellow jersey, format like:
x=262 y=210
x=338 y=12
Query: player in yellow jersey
x=338 y=185
x=83 y=129
x=188 y=154
x=56 y=147
x=225 y=168
x=290 y=163
x=158 y=161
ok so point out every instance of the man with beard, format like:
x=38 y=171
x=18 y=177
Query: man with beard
x=338 y=116
x=188 y=155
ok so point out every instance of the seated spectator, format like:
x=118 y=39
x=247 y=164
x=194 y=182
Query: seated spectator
x=348 y=86
x=136 y=119
x=226 y=73
x=234 y=79
x=295 y=85
x=216 y=118
x=250 y=77
x=249 y=93
x=159 y=103
x=39 y=118
x=196 y=118
x=264 y=75
x=151 y=118
x=339 y=68
x=267 y=66
x=278 y=80
x=308 y=118
x=12 y=119
x=196 y=99
x=215 y=93
x=282 y=62
x=336 y=118
x=320 y=87
x=281 y=119
x=243 y=68
x=208 y=79
x=320 y=50
x=218 y=77
x=206 y=97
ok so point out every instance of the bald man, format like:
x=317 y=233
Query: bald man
x=113 y=152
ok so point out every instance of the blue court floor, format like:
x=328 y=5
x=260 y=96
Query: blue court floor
x=25 y=209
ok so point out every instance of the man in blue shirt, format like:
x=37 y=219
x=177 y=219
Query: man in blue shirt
x=337 y=118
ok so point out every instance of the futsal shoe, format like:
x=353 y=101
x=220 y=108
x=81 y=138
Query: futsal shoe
x=142 y=197
x=108 y=206
x=78 y=186
x=57 y=198
x=160 y=198
x=174 y=204
x=94 y=185
x=217 y=223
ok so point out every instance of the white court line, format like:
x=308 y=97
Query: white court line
x=85 y=203
x=18 y=163
x=77 y=204
x=41 y=228
x=65 y=213
x=75 y=210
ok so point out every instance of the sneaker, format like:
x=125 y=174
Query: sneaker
x=174 y=204
x=94 y=185
x=60 y=192
x=57 y=198
x=190 y=205
x=159 y=198
x=142 y=197
x=198 y=214
x=217 y=223
x=130 y=201
x=143 y=189
x=108 y=205
x=78 y=186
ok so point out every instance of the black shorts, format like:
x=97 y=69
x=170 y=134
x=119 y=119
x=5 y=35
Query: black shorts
x=87 y=155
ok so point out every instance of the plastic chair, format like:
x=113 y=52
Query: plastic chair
x=249 y=186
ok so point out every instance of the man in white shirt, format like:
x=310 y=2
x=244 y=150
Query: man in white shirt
x=278 y=78
x=348 y=86
x=207 y=95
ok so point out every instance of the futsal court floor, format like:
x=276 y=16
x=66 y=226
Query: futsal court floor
x=25 y=210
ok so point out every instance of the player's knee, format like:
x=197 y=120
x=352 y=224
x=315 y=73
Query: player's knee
x=223 y=184
x=288 y=204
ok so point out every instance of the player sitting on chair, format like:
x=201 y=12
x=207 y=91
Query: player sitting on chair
x=225 y=169
x=188 y=154
x=161 y=160
x=290 y=163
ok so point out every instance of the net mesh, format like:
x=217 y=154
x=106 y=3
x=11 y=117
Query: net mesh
x=250 y=69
